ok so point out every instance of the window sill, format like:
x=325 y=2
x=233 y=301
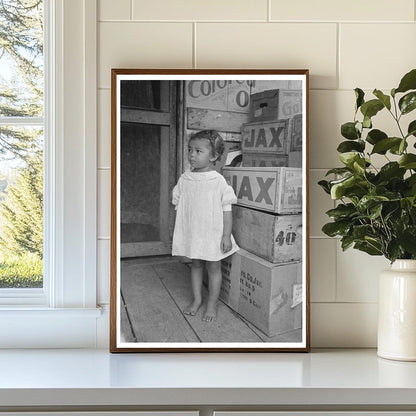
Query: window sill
x=39 y=327
x=35 y=311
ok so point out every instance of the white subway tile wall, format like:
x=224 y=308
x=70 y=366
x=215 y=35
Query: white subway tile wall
x=103 y=271
x=104 y=128
x=142 y=45
x=319 y=203
x=114 y=10
x=345 y=44
x=322 y=269
x=328 y=109
x=104 y=202
x=343 y=325
x=366 y=51
x=270 y=45
x=353 y=10
x=200 y=10
x=357 y=275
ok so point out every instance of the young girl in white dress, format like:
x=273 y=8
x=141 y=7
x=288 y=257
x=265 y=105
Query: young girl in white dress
x=203 y=219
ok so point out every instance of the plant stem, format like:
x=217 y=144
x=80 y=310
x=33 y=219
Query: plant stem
x=397 y=119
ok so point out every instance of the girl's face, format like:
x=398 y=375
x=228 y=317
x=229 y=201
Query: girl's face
x=200 y=155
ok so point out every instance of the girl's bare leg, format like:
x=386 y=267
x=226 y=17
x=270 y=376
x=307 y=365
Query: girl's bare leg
x=197 y=269
x=215 y=278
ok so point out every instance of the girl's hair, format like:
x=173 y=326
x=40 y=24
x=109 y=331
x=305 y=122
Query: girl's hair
x=215 y=140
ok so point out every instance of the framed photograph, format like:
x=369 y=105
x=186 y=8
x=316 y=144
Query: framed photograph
x=209 y=211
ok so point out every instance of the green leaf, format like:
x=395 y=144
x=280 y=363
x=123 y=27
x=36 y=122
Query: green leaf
x=338 y=171
x=402 y=147
x=385 y=99
x=393 y=250
x=408 y=82
x=391 y=170
x=408 y=102
x=342 y=211
x=346 y=242
x=375 y=135
x=375 y=211
x=411 y=183
x=359 y=94
x=338 y=190
x=411 y=130
x=333 y=229
x=349 y=131
x=374 y=242
x=325 y=186
x=398 y=149
x=369 y=201
x=407 y=240
x=368 y=248
x=408 y=161
x=350 y=146
x=361 y=231
x=359 y=165
x=371 y=108
x=411 y=180
x=383 y=145
x=348 y=158
x=367 y=122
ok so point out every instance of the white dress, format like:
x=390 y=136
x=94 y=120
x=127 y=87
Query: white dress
x=200 y=199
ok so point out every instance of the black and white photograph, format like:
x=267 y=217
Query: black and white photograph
x=209 y=212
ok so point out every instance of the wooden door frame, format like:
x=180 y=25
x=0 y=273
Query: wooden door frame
x=168 y=149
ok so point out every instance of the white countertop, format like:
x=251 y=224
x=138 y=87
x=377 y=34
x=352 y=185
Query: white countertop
x=96 y=377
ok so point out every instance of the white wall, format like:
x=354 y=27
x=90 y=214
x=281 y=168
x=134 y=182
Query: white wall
x=345 y=44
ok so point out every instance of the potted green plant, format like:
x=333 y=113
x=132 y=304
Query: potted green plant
x=376 y=206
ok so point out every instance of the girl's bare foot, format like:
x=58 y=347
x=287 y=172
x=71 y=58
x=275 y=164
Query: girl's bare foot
x=192 y=309
x=210 y=314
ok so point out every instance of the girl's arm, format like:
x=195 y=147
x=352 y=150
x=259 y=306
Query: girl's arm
x=226 y=234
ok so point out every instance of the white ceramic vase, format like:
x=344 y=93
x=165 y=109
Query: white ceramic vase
x=397 y=312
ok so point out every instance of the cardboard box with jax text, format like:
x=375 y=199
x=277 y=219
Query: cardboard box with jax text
x=262 y=160
x=277 y=190
x=266 y=137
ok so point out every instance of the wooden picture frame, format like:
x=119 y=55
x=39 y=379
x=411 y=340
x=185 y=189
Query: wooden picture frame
x=262 y=117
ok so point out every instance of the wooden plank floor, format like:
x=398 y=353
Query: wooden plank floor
x=154 y=291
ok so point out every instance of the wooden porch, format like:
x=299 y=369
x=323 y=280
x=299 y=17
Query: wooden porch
x=154 y=291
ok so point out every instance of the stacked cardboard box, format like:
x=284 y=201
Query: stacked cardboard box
x=275 y=129
x=268 y=295
x=276 y=190
x=263 y=281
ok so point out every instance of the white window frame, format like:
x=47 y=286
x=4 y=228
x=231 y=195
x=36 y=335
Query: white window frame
x=64 y=313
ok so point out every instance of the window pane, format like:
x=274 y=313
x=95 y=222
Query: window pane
x=21 y=146
x=140 y=182
x=21 y=207
x=144 y=94
x=21 y=58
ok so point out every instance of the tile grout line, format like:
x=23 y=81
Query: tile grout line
x=338 y=64
x=194 y=62
x=255 y=21
x=337 y=246
x=344 y=302
x=336 y=271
